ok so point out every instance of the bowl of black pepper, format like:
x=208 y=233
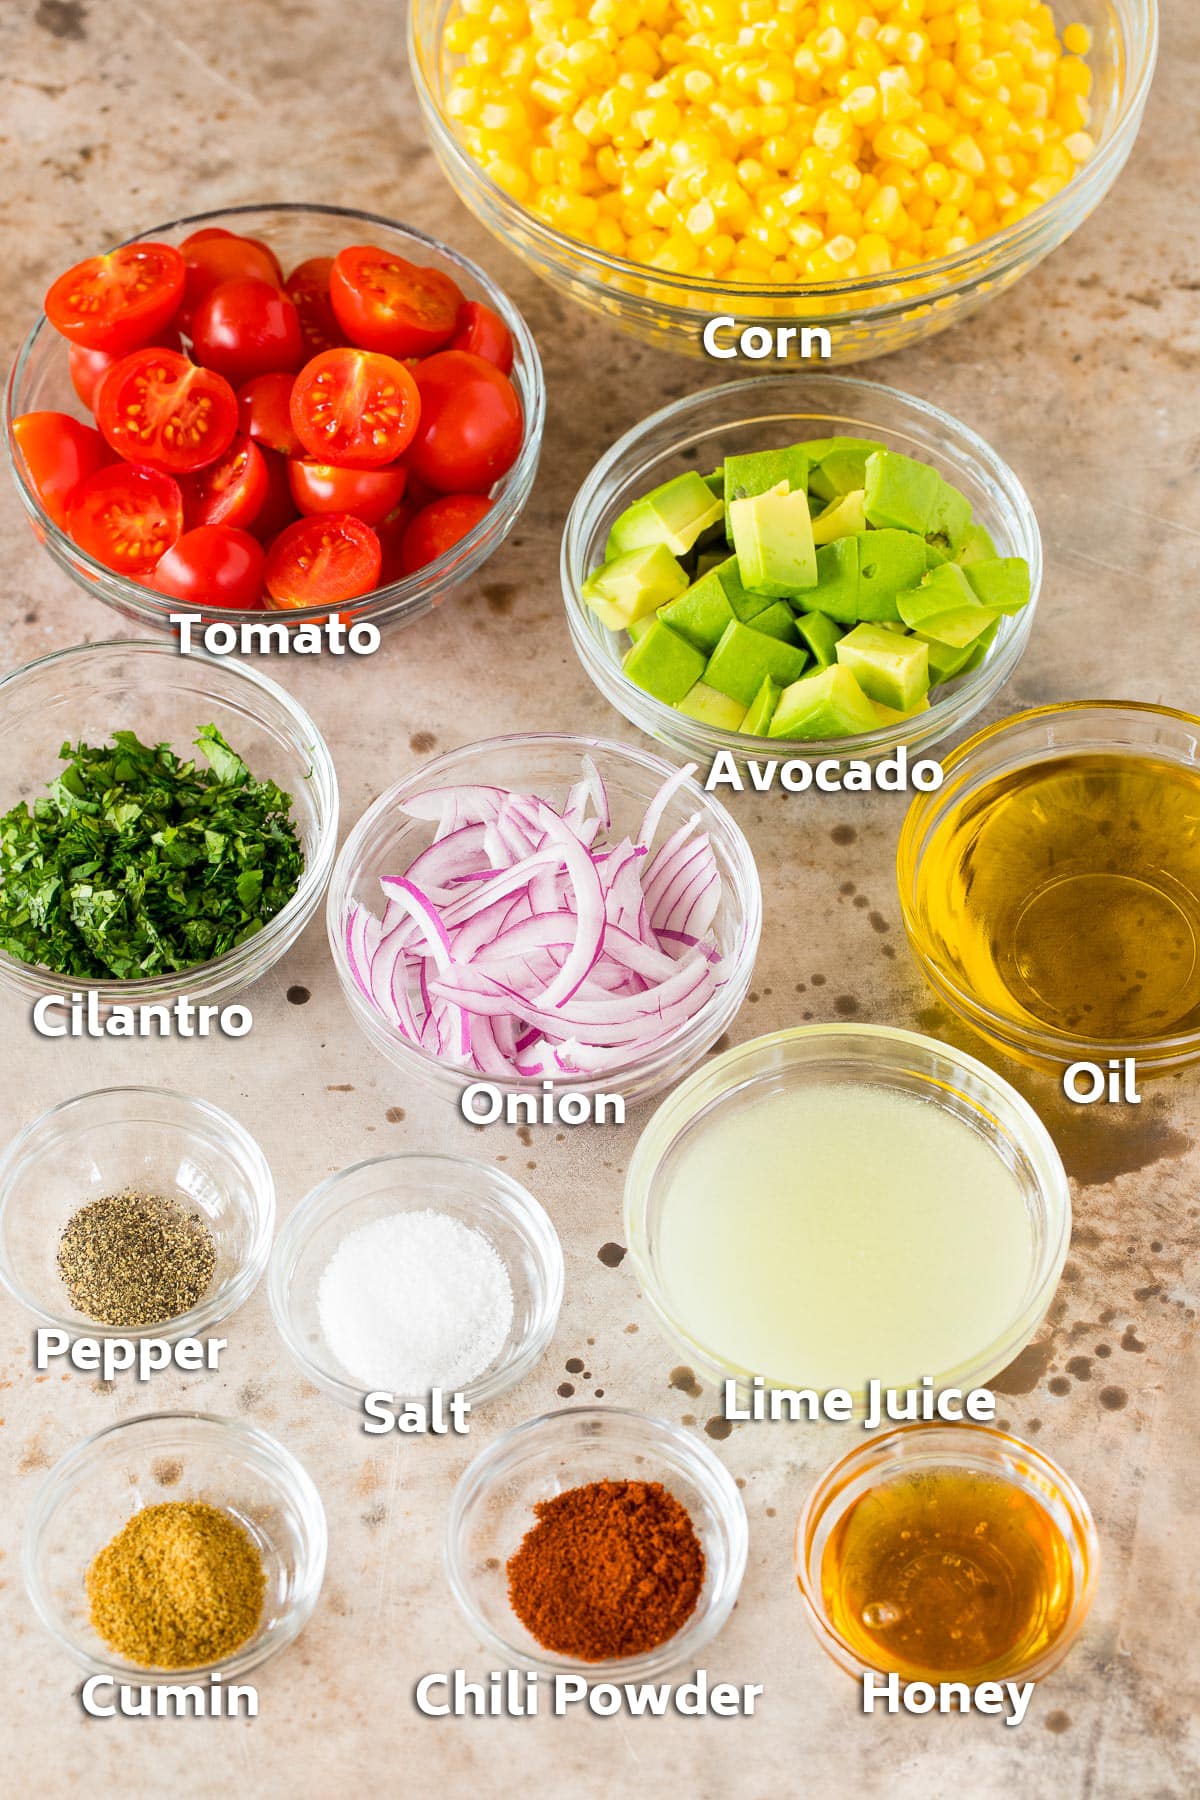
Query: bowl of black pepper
x=132 y=1213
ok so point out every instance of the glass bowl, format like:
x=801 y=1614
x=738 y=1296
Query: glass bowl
x=764 y=413
x=155 y=1142
x=866 y=316
x=1042 y=737
x=91 y=690
x=916 y=1448
x=492 y=1509
x=99 y=1485
x=477 y=1195
x=811 y=1057
x=40 y=380
x=385 y=841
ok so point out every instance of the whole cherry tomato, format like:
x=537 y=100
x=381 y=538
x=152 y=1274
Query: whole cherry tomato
x=439 y=526
x=212 y=260
x=370 y=494
x=58 y=453
x=484 y=333
x=214 y=565
x=470 y=426
x=245 y=328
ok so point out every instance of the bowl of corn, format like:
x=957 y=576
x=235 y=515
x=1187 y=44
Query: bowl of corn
x=873 y=169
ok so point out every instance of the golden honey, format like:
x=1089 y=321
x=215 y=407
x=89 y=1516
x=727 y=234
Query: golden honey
x=946 y=1573
x=1066 y=895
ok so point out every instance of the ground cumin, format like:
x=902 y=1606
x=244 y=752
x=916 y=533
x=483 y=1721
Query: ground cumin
x=609 y=1570
x=180 y=1584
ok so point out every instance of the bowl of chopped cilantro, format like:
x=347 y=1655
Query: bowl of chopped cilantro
x=167 y=825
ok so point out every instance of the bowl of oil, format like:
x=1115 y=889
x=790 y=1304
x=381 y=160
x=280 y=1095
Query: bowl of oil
x=946 y=1553
x=1051 y=886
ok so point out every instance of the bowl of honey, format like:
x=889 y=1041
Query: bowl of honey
x=1051 y=886
x=946 y=1553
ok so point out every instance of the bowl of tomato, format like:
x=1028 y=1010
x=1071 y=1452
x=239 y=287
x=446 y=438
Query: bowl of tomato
x=300 y=410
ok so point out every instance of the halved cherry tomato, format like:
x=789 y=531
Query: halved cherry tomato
x=278 y=509
x=484 y=333
x=230 y=491
x=59 y=453
x=308 y=289
x=212 y=260
x=126 y=518
x=439 y=526
x=118 y=301
x=263 y=412
x=332 y=556
x=89 y=367
x=385 y=303
x=214 y=565
x=157 y=408
x=246 y=328
x=370 y=494
x=470 y=427
x=354 y=408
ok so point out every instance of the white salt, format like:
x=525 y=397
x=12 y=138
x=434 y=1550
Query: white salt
x=414 y=1301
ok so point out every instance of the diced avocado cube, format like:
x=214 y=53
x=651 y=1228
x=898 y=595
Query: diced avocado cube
x=934 y=554
x=838 y=464
x=836 y=592
x=950 y=520
x=944 y=606
x=888 y=715
x=778 y=621
x=633 y=585
x=977 y=546
x=711 y=708
x=762 y=470
x=714 y=481
x=639 y=627
x=888 y=561
x=701 y=613
x=757 y=722
x=820 y=634
x=891 y=669
x=773 y=540
x=1002 y=582
x=711 y=559
x=744 y=658
x=674 y=514
x=828 y=705
x=664 y=664
x=746 y=606
x=946 y=661
x=980 y=647
x=901 y=493
x=844 y=517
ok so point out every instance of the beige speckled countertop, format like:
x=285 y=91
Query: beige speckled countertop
x=121 y=112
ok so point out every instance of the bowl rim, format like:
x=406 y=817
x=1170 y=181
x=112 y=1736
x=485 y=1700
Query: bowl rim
x=1034 y=1140
x=428 y=774
x=240 y=961
x=524 y=1213
x=1013 y=243
x=1001 y=1449
x=920 y=732
x=215 y=1306
x=452 y=566
x=244 y=1439
x=704 y=1467
x=1044 y=1044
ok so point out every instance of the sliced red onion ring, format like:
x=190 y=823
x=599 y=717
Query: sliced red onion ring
x=521 y=943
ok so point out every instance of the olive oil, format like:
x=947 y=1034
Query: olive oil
x=947 y=1572
x=1067 y=894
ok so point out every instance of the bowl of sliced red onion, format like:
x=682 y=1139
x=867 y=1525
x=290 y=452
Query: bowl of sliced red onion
x=545 y=909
